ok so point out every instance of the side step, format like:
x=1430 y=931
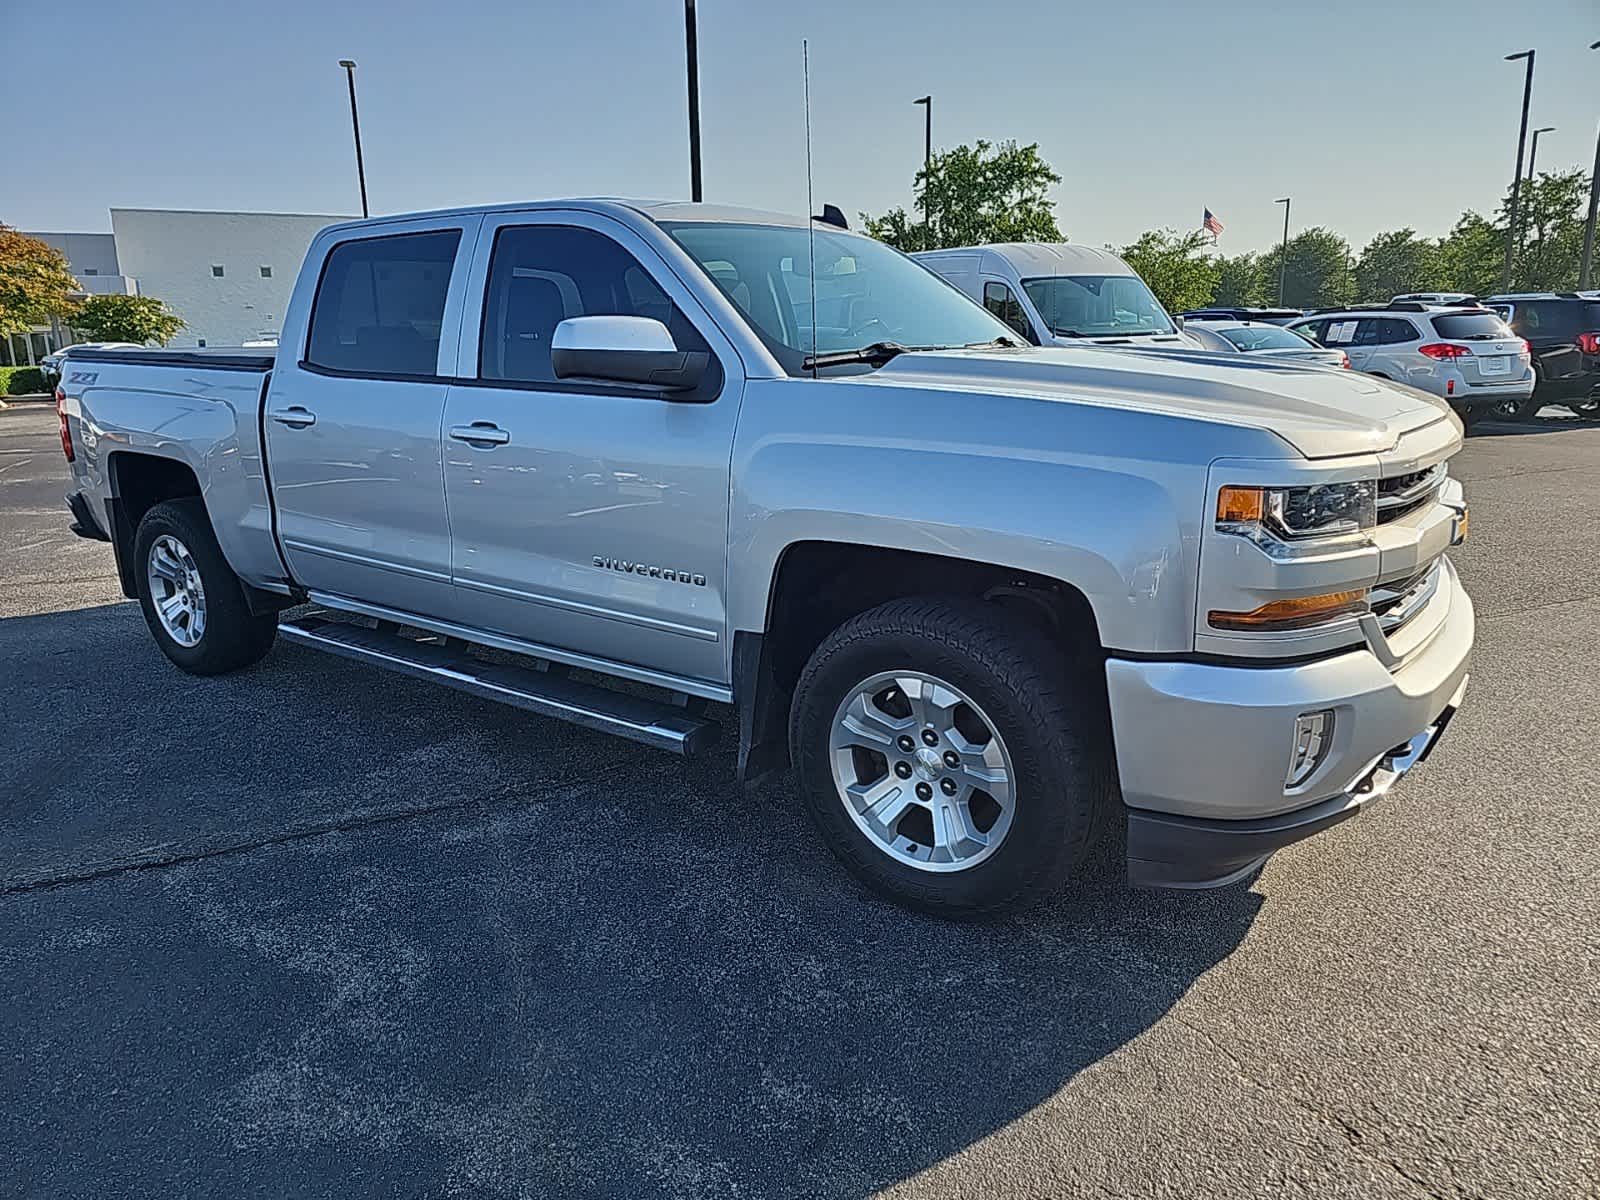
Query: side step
x=548 y=693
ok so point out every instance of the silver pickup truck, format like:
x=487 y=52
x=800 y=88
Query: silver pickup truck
x=622 y=463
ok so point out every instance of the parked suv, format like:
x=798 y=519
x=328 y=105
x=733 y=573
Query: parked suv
x=1466 y=355
x=1562 y=330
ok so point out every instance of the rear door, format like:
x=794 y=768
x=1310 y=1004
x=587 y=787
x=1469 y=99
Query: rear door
x=1391 y=345
x=354 y=409
x=586 y=516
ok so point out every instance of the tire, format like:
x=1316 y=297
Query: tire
x=173 y=548
x=1049 y=719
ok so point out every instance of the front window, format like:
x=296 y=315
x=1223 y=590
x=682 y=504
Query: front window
x=1097 y=305
x=1266 y=337
x=865 y=291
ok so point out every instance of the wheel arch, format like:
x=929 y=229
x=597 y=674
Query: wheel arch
x=818 y=585
x=138 y=481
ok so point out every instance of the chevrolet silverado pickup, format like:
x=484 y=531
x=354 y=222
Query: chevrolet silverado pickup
x=655 y=467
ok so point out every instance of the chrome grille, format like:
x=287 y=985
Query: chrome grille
x=1397 y=602
x=1402 y=494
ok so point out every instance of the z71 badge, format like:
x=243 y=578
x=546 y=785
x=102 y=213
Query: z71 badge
x=84 y=377
x=638 y=568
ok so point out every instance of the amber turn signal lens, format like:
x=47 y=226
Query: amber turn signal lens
x=1293 y=614
x=1240 y=504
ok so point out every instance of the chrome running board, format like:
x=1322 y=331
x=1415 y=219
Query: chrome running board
x=549 y=693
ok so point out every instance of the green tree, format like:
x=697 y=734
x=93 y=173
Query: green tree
x=1398 y=261
x=1470 y=258
x=1176 y=266
x=973 y=195
x=138 y=319
x=35 y=284
x=1318 y=274
x=1553 y=209
x=1239 y=281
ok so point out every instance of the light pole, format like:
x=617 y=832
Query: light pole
x=349 y=66
x=691 y=42
x=1594 y=206
x=927 y=168
x=1516 y=175
x=1283 y=252
x=1533 y=150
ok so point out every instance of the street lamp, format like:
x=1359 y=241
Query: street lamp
x=1594 y=205
x=1533 y=150
x=349 y=66
x=1283 y=253
x=927 y=167
x=691 y=41
x=1516 y=175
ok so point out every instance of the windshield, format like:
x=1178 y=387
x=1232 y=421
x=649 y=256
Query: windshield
x=1472 y=327
x=866 y=292
x=1097 y=305
x=1266 y=337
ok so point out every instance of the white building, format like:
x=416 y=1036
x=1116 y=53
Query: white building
x=227 y=274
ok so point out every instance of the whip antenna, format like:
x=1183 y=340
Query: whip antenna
x=811 y=232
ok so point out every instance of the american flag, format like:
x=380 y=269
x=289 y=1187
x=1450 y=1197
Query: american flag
x=1211 y=225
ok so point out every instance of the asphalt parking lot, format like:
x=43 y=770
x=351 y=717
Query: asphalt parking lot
x=311 y=931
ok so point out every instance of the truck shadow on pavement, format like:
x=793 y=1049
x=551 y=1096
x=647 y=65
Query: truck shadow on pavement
x=402 y=942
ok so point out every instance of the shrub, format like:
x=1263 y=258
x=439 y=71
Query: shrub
x=21 y=381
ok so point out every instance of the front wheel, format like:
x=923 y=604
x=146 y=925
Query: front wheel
x=191 y=598
x=949 y=757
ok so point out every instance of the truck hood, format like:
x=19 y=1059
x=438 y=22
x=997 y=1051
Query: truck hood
x=1320 y=412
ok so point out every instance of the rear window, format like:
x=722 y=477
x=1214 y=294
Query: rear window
x=380 y=305
x=1471 y=327
x=1266 y=337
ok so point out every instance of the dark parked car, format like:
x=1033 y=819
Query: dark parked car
x=1563 y=332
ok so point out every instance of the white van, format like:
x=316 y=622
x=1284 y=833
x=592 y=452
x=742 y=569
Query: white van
x=1061 y=294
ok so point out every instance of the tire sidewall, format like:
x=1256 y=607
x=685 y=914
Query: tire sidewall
x=1042 y=826
x=232 y=636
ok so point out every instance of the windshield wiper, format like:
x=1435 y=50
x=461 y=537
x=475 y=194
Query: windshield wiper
x=1125 y=333
x=875 y=355
x=1002 y=341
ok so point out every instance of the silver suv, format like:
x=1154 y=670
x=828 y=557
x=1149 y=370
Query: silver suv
x=1465 y=354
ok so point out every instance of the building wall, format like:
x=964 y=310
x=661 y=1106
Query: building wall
x=88 y=254
x=172 y=254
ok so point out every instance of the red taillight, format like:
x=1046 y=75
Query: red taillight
x=1344 y=360
x=61 y=415
x=1444 y=351
x=1589 y=343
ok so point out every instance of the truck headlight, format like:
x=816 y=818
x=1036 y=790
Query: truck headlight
x=1278 y=519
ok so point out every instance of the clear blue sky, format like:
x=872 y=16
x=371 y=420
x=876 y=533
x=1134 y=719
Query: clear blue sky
x=1371 y=114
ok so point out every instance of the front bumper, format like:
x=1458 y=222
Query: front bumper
x=1204 y=749
x=1170 y=851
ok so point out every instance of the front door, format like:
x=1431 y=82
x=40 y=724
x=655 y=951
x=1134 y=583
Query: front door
x=586 y=516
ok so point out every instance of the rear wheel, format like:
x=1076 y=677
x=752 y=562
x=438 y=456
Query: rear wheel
x=948 y=756
x=191 y=598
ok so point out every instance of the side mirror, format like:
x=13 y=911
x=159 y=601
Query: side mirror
x=1178 y=321
x=637 y=350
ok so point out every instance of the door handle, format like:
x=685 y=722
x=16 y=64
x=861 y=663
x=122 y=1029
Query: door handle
x=294 y=417
x=480 y=433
